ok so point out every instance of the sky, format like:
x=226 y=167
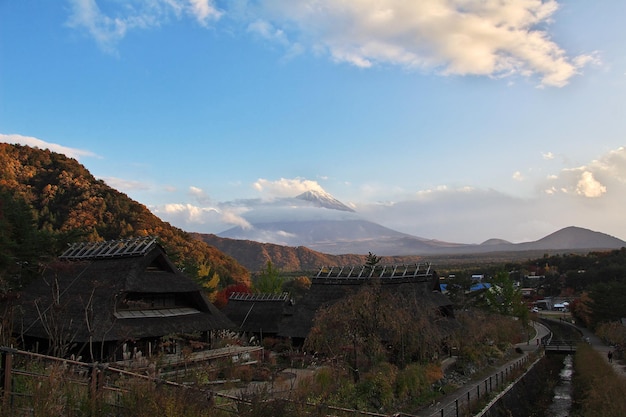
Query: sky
x=457 y=120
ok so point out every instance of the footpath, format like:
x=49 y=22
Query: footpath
x=597 y=344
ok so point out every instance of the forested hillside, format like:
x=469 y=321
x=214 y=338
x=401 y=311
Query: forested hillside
x=48 y=200
x=255 y=255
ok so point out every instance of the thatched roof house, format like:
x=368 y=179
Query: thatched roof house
x=330 y=285
x=258 y=314
x=105 y=299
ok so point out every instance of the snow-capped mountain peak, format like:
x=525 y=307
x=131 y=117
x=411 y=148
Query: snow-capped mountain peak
x=323 y=199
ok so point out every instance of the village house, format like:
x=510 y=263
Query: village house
x=257 y=315
x=332 y=284
x=278 y=315
x=116 y=300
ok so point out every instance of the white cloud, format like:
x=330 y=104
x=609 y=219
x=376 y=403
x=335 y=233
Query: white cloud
x=517 y=176
x=593 y=180
x=124 y=184
x=199 y=195
x=233 y=218
x=192 y=214
x=109 y=27
x=453 y=37
x=198 y=218
x=571 y=197
x=204 y=11
x=285 y=187
x=38 y=143
x=460 y=37
x=547 y=156
x=589 y=187
x=267 y=31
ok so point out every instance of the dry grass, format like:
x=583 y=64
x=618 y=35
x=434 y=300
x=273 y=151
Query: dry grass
x=598 y=390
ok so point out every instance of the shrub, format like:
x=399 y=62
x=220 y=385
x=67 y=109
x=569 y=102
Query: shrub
x=377 y=386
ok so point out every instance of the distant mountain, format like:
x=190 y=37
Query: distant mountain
x=323 y=199
x=567 y=239
x=495 y=242
x=575 y=238
x=254 y=255
x=328 y=226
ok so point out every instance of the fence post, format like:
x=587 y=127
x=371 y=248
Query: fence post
x=456 y=403
x=6 y=377
x=95 y=382
x=478 y=391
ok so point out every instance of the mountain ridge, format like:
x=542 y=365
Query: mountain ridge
x=322 y=227
x=254 y=255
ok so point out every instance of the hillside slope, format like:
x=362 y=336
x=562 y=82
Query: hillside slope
x=66 y=200
x=254 y=255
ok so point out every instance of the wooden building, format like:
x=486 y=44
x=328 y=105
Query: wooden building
x=110 y=301
x=257 y=315
x=332 y=284
x=278 y=315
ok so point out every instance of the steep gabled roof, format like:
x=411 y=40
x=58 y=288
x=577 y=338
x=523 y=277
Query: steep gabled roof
x=80 y=294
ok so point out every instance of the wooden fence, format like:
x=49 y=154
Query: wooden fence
x=474 y=397
x=36 y=385
x=32 y=384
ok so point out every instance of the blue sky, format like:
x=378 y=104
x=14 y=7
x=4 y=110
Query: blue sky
x=459 y=120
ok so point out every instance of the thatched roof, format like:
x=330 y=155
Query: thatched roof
x=257 y=313
x=330 y=286
x=129 y=295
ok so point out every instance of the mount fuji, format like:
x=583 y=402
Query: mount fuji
x=318 y=221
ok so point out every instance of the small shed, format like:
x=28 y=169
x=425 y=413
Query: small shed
x=109 y=301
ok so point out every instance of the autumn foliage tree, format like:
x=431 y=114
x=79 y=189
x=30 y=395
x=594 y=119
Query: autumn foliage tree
x=376 y=325
x=221 y=299
x=67 y=204
x=269 y=280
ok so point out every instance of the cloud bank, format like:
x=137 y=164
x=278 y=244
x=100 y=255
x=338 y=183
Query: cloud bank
x=454 y=37
x=588 y=196
x=491 y=38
